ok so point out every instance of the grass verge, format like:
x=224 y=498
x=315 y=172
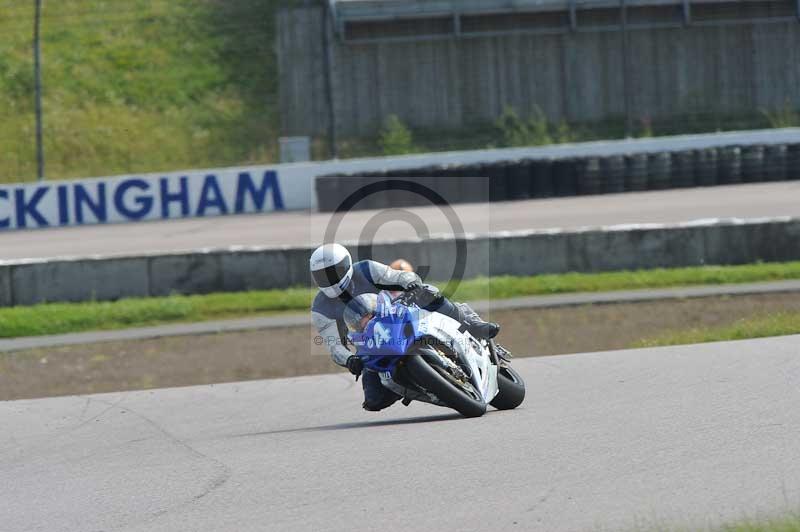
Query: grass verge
x=59 y=318
x=789 y=523
x=784 y=524
x=139 y=86
x=779 y=324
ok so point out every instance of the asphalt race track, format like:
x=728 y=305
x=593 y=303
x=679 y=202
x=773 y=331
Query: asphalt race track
x=304 y=228
x=629 y=439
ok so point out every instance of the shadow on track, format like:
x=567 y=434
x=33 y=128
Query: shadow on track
x=360 y=425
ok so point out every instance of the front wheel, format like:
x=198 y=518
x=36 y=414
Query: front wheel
x=511 y=389
x=443 y=385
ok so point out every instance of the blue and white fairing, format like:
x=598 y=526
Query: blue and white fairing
x=388 y=335
x=396 y=327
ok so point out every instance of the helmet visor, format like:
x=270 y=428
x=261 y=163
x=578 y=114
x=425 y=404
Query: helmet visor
x=332 y=274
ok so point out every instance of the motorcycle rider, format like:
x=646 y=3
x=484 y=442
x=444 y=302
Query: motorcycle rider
x=402 y=264
x=340 y=280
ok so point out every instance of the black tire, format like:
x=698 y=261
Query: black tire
x=512 y=389
x=434 y=381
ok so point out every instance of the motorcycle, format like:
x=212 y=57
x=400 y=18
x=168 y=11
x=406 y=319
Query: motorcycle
x=429 y=357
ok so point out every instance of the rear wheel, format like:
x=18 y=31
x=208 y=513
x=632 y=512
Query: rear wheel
x=465 y=399
x=511 y=389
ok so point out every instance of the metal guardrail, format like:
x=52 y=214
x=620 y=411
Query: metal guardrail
x=362 y=10
x=347 y=14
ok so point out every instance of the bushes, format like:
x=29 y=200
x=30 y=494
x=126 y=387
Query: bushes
x=536 y=130
x=395 y=137
x=518 y=132
x=787 y=116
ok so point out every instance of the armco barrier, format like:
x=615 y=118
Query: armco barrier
x=517 y=253
x=583 y=174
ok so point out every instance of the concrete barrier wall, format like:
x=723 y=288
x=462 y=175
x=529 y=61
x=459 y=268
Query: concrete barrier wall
x=519 y=253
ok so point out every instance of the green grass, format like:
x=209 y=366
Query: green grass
x=58 y=318
x=778 y=324
x=787 y=523
x=505 y=287
x=784 y=524
x=136 y=86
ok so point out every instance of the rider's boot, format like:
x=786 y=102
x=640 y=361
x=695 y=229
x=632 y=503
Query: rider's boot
x=376 y=397
x=475 y=325
x=461 y=312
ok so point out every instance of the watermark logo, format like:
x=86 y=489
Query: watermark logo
x=425 y=196
x=438 y=244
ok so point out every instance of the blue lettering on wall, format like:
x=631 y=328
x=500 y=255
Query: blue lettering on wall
x=245 y=186
x=4 y=222
x=25 y=208
x=63 y=204
x=97 y=207
x=211 y=197
x=167 y=197
x=137 y=198
x=144 y=203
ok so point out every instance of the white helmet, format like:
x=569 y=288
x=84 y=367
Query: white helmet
x=332 y=268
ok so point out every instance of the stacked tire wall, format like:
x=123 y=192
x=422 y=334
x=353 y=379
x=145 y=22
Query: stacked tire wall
x=544 y=178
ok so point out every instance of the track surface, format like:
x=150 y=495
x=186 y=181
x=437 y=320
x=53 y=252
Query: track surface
x=304 y=228
x=687 y=435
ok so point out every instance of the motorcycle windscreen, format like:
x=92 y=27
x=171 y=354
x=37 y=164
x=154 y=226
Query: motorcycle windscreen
x=385 y=336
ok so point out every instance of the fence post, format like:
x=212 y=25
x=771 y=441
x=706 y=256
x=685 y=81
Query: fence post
x=626 y=78
x=573 y=16
x=37 y=68
x=328 y=35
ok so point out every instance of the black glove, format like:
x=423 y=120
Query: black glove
x=421 y=294
x=413 y=287
x=413 y=291
x=355 y=365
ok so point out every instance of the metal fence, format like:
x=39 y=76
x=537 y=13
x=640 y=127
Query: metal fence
x=594 y=69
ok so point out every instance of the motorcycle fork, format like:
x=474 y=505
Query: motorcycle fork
x=493 y=353
x=498 y=361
